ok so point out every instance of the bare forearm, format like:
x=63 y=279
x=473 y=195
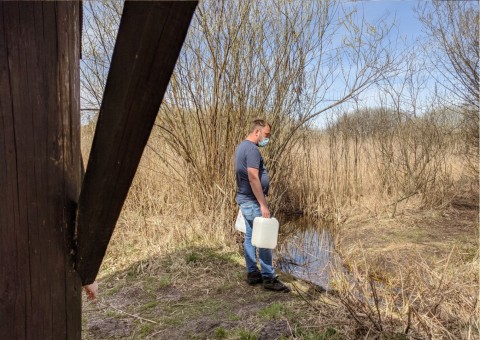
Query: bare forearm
x=256 y=186
x=257 y=191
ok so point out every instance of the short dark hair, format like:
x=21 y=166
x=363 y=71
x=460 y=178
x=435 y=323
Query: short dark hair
x=259 y=123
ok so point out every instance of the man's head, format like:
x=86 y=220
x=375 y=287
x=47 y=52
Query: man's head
x=259 y=132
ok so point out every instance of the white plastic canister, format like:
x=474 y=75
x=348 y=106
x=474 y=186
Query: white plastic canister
x=240 y=222
x=265 y=232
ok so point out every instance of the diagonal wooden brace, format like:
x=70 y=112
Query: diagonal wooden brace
x=149 y=41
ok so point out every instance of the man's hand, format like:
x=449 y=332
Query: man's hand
x=265 y=211
x=91 y=290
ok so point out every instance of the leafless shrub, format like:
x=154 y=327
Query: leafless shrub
x=418 y=301
x=243 y=60
x=100 y=25
x=453 y=47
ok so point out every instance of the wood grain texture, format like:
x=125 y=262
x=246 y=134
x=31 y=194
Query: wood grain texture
x=39 y=169
x=149 y=40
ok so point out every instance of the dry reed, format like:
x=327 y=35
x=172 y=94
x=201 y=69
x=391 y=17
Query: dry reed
x=327 y=175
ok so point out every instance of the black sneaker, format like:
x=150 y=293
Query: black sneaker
x=275 y=284
x=254 y=278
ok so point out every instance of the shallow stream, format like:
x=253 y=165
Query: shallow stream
x=307 y=252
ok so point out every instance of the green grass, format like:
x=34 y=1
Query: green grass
x=220 y=333
x=191 y=306
x=113 y=314
x=234 y=317
x=274 y=311
x=397 y=336
x=146 y=329
x=207 y=255
x=192 y=258
x=247 y=335
x=209 y=305
x=467 y=250
x=240 y=275
x=226 y=287
x=150 y=304
x=164 y=281
x=151 y=285
x=231 y=257
x=113 y=290
x=172 y=321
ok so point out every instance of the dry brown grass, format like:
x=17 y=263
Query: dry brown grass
x=419 y=300
x=160 y=214
x=432 y=294
x=333 y=172
x=200 y=293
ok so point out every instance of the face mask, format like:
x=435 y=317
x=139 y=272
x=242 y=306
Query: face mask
x=263 y=142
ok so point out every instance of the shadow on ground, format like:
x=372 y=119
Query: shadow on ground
x=195 y=293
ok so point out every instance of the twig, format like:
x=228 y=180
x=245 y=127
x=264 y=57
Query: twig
x=290 y=328
x=153 y=334
x=300 y=293
x=132 y=315
x=377 y=303
x=409 y=320
x=303 y=297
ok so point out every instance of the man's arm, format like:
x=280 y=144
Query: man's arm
x=257 y=190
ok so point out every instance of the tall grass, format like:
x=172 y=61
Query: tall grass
x=323 y=174
x=333 y=171
x=245 y=60
x=419 y=302
x=334 y=174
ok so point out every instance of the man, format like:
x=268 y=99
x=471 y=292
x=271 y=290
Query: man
x=252 y=188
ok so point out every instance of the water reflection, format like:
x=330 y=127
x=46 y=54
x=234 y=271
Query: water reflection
x=308 y=254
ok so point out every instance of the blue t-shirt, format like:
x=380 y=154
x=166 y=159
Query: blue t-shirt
x=248 y=156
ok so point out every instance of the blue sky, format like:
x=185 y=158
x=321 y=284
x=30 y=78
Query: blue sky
x=407 y=26
x=400 y=11
x=409 y=30
x=405 y=33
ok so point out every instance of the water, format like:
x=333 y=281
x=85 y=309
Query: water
x=307 y=253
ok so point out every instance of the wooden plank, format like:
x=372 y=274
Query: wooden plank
x=16 y=176
x=12 y=306
x=68 y=56
x=149 y=40
x=40 y=175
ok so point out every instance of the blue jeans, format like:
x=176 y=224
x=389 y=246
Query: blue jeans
x=250 y=210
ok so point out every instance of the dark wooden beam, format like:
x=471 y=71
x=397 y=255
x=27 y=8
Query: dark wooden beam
x=39 y=169
x=149 y=40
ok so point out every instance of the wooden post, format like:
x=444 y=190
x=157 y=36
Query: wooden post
x=149 y=41
x=40 y=293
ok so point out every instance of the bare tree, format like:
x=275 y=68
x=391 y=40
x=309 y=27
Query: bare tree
x=454 y=49
x=287 y=61
x=100 y=27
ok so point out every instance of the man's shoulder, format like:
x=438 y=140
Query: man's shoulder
x=246 y=145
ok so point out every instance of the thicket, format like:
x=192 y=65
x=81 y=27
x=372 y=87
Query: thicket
x=303 y=66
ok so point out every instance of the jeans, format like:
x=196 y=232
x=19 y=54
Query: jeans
x=250 y=210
